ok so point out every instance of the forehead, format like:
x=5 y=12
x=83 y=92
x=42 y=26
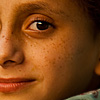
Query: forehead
x=55 y=6
x=59 y=10
x=10 y=2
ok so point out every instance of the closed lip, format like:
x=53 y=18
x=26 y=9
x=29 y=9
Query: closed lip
x=15 y=80
x=14 y=84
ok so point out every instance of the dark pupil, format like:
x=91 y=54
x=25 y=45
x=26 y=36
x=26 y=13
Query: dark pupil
x=42 y=25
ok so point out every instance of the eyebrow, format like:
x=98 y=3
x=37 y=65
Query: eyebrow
x=39 y=6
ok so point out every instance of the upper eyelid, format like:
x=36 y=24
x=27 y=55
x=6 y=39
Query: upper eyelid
x=40 y=21
x=37 y=17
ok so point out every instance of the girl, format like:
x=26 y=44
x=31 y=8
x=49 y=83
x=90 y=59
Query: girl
x=49 y=49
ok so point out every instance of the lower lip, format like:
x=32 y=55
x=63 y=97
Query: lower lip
x=12 y=87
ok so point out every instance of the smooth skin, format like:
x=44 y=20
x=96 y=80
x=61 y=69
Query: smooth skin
x=62 y=57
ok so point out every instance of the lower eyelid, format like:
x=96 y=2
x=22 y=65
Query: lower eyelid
x=38 y=34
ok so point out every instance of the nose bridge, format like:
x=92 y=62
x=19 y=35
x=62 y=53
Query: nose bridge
x=6 y=36
x=7 y=49
x=10 y=53
x=5 y=43
x=7 y=14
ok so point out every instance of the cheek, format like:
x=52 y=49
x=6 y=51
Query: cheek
x=65 y=63
x=61 y=56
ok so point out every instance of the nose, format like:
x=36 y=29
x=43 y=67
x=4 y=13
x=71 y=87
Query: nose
x=10 y=55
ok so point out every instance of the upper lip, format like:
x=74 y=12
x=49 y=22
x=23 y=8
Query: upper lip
x=15 y=80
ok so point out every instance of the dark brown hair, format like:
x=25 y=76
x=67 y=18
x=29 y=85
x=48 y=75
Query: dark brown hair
x=92 y=7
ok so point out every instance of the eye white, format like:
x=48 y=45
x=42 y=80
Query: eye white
x=33 y=26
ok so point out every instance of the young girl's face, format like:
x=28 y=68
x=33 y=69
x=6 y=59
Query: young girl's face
x=47 y=49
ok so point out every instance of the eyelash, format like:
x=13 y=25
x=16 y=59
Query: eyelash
x=43 y=23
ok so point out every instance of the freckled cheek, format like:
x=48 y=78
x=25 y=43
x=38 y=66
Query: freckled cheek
x=52 y=59
x=50 y=55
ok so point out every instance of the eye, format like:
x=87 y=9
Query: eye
x=39 y=25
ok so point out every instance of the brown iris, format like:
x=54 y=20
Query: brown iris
x=42 y=25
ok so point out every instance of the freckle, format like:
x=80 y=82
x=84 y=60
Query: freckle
x=53 y=44
x=59 y=57
x=32 y=69
x=12 y=32
x=60 y=66
x=72 y=20
x=45 y=57
x=7 y=40
x=51 y=39
x=64 y=41
x=3 y=36
x=53 y=62
x=71 y=58
x=19 y=70
x=43 y=48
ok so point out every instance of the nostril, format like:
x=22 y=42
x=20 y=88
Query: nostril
x=9 y=62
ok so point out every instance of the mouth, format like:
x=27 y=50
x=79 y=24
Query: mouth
x=14 y=84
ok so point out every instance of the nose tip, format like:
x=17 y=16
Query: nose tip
x=11 y=60
x=8 y=63
x=10 y=55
